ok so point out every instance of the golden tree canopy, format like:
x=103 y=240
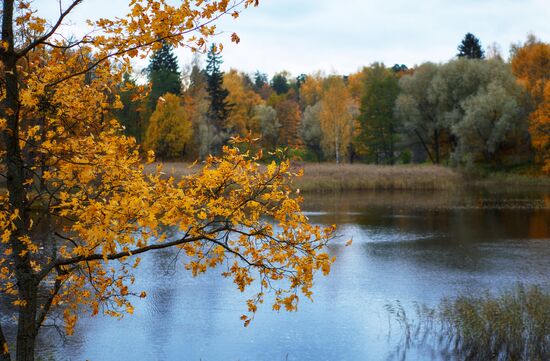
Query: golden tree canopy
x=79 y=209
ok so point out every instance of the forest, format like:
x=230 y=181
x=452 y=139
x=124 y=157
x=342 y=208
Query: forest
x=476 y=110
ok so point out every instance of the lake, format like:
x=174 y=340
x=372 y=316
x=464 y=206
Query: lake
x=407 y=246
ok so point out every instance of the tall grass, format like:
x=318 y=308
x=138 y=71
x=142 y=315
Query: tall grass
x=513 y=325
x=343 y=177
x=330 y=177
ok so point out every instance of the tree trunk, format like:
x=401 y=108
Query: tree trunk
x=26 y=326
x=436 y=147
x=337 y=146
x=425 y=146
x=4 y=350
x=9 y=109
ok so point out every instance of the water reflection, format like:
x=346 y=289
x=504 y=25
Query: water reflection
x=414 y=247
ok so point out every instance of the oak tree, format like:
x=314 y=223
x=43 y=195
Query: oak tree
x=79 y=210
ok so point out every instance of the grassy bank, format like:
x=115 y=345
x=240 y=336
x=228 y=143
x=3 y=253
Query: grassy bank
x=329 y=177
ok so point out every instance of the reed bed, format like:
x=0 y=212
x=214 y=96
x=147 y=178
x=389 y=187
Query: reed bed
x=326 y=177
x=330 y=177
x=511 y=325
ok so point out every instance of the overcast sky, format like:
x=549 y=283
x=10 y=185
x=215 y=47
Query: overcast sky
x=337 y=36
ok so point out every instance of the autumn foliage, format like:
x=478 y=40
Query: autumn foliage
x=79 y=210
x=170 y=129
x=531 y=65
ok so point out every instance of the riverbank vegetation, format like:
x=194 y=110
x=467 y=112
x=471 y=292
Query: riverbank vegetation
x=511 y=325
x=330 y=177
x=476 y=111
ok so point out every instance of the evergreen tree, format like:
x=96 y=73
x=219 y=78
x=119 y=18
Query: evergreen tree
x=470 y=48
x=164 y=74
x=260 y=79
x=398 y=68
x=280 y=84
x=219 y=106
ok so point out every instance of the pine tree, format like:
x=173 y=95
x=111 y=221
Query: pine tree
x=280 y=84
x=219 y=106
x=260 y=79
x=164 y=74
x=470 y=47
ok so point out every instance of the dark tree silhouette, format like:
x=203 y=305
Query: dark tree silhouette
x=164 y=74
x=470 y=48
x=219 y=106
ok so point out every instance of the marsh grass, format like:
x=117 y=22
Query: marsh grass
x=344 y=177
x=330 y=177
x=511 y=180
x=512 y=325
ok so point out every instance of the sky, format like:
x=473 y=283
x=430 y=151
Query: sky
x=337 y=36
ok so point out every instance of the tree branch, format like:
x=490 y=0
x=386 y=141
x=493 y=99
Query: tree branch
x=4 y=350
x=48 y=304
x=115 y=256
x=52 y=31
x=140 y=46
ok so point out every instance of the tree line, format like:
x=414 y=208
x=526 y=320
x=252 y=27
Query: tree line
x=472 y=110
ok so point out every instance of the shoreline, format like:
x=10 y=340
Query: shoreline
x=331 y=178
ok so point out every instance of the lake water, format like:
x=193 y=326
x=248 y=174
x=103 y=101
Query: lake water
x=407 y=246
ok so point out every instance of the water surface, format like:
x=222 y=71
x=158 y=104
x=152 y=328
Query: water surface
x=407 y=246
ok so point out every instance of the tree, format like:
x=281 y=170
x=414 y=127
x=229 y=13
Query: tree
x=531 y=65
x=80 y=211
x=170 y=129
x=337 y=118
x=270 y=127
x=470 y=48
x=539 y=128
x=416 y=109
x=131 y=113
x=219 y=106
x=260 y=79
x=311 y=90
x=310 y=130
x=243 y=99
x=378 y=125
x=397 y=68
x=164 y=74
x=289 y=115
x=280 y=84
x=491 y=118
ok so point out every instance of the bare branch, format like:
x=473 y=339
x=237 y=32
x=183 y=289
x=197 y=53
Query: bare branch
x=48 y=304
x=96 y=63
x=52 y=31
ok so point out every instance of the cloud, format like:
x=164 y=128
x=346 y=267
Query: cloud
x=303 y=36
